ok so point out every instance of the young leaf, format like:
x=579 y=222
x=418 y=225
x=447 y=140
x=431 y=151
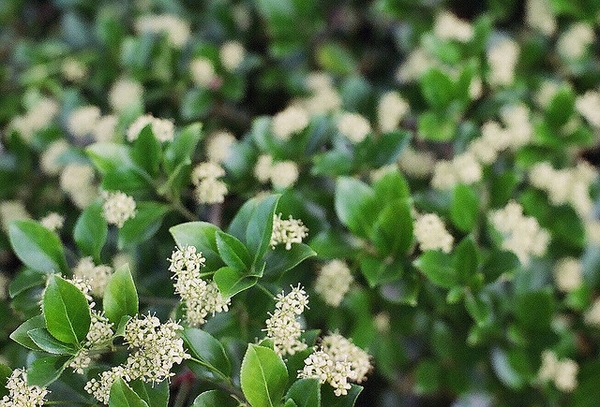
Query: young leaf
x=208 y=350
x=305 y=393
x=354 y=204
x=233 y=252
x=91 y=230
x=121 y=395
x=214 y=398
x=37 y=247
x=464 y=208
x=202 y=235
x=263 y=377
x=231 y=281
x=42 y=338
x=437 y=266
x=20 y=335
x=146 y=152
x=46 y=369
x=260 y=228
x=66 y=311
x=147 y=220
x=120 y=296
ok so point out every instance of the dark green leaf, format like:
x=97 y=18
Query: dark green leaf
x=263 y=377
x=535 y=309
x=91 y=230
x=214 y=398
x=479 y=307
x=208 y=350
x=196 y=104
x=390 y=187
x=146 y=151
x=336 y=59
x=66 y=311
x=436 y=127
x=329 y=399
x=465 y=260
x=280 y=260
x=464 y=208
x=393 y=229
x=37 y=247
x=507 y=374
x=155 y=395
x=5 y=373
x=42 y=338
x=354 y=204
x=305 y=393
x=26 y=279
x=233 y=252
x=121 y=395
x=131 y=180
x=437 y=266
x=378 y=271
x=428 y=376
x=231 y=282
x=260 y=228
x=437 y=88
x=498 y=263
x=46 y=369
x=20 y=335
x=120 y=296
x=202 y=235
x=147 y=221
x=183 y=146
x=109 y=156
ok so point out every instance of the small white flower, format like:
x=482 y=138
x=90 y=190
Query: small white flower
x=118 y=207
x=353 y=126
x=568 y=274
x=83 y=120
x=283 y=326
x=262 y=169
x=218 y=146
x=502 y=59
x=50 y=159
x=124 y=94
x=287 y=231
x=573 y=43
x=20 y=394
x=431 y=233
x=391 y=110
x=163 y=129
x=449 y=27
x=11 y=211
x=177 y=30
x=95 y=276
x=333 y=282
x=203 y=72
x=53 y=221
x=232 y=54
x=284 y=174
x=290 y=121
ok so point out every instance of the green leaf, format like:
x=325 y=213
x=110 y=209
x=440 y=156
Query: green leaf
x=20 y=335
x=393 y=229
x=437 y=266
x=561 y=108
x=535 y=309
x=109 y=157
x=290 y=403
x=183 y=146
x=332 y=163
x=305 y=393
x=26 y=279
x=120 y=296
x=214 y=398
x=196 y=104
x=233 y=252
x=91 y=231
x=5 y=373
x=378 y=271
x=37 y=247
x=479 y=307
x=336 y=59
x=146 y=152
x=498 y=263
x=263 y=377
x=46 y=369
x=42 y=338
x=131 y=180
x=121 y=395
x=428 y=376
x=260 y=228
x=329 y=399
x=435 y=127
x=231 y=281
x=505 y=371
x=354 y=204
x=155 y=395
x=202 y=235
x=437 y=88
x=147 y=221
x=464 y=208
x=465 y=260
x=280 y=260
x=208 y=350
x=390 y=187
x=66 y=311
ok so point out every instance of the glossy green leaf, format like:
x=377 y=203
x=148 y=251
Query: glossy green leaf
x=435 y=126
x=464 y=208
x=155 y=395
x=146 y=152
x=120 y=296
x=392 y=186
x=279 y=260
x=20 y=335
x=437 y=266
x=337 y=59
x=202 y=235
x=26 y=279
x=196 y=104
x=66 y=311
x=183 y=146
x=147 y=221
x=535 y=309
x=109 y=156
x=260 y=228
x=465 y=260
x=208 y=351
x=5 y=373
x=354 y=204
x=121 y=395
x=437 y=88
x=263 y=377
x=46 y=369
x=91 y=231
x=42 y=338
x=233 y=252
x=214 y=398
x=378 y=271
x=131 y=180
x=231 y=281
x=393 y=229
x=479 y=307
x=37 y=247
x=329 y=399
x=305 y=393
x=504 y=370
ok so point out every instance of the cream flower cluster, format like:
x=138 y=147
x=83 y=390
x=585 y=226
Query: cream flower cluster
x=20 y=394
x=463 y=168
x=82 y=121
x=218 y=146
x=37 y=118
x=163 y=129
x=50 y=158
x=391 y=110
x=292 y=120
x=415 y=65
x=416 y=163
x=592 y=315
x=574 y=42
x=77 y=180
x=539 y=15
x=338 y=361
x=283 y=326
x=502 y=59
x=324 y=97
x=562 y=372
x=449 y=27
x=333 y=282
x=566 y=186
x=124 y=94
x=200 y=297
x=568 y=274
x=73 y=70
x=353 y=126
x=431 y=233
x=100 y=335
x=522 y=234
x=95 y=276
x=287 y=231
x=232 y=54
x=209 y=188
x=106 y=127
x=53 y=221
x=11 y=211
x=118 y=207
x=155 y=348
x=176 y=29
x=282 y=174
x=203 y=72
x=588 y=105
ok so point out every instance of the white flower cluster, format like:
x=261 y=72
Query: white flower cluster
x=574 y=42
x=562 y=372
x=20 y=394
x=569 y=185
x=53 y=221
x=282 y=174
x=283 y=326
x=568 y=274
x=50 y=158
x=218 y=146
x=431 y=233
x=95 y=276
x=209 y=188
x=203 y=72
x=539 y=15
x=391 y=110
x=337 y=362
x=449 y=27
x=37 y=118
x=290 y=121
x=83 y=120
x=99 y=336
x=232 y=55
x=502 y=59
x=522 y=234
x=11 y=211
x=118 y=207
x=163 y=129
x=324 y=98
x=463 y=168
x=415 y=65
x=155 y=349
x=287 y=231
x=73 y=70
x=176 y=29
x=125 y=93
x=200 y=297
x=353 y=126
x=333 y=282
x=588 y=105
x=416 y=163
x=592 y=315
x=106 y=127
x=77 y=180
